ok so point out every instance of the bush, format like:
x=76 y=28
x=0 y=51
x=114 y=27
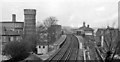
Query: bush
x=17 y=50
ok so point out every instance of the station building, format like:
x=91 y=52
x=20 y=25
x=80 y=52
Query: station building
x=85 y=30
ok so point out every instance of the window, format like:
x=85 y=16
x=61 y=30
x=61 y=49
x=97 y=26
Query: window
x=8 y=38
x=101 y=32
x=11 y=38
x=45 y=40
x=17 y=38
x=18 y=31
x=43 y=46
x=4 y=39
x=39 y=46
x=88 y=33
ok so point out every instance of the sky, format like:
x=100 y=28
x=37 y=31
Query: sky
x=96 y=13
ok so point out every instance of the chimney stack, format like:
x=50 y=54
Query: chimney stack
x=83 y=24
x=30 y=22
x=108 y=27
x=88 y=26
x=13 y=18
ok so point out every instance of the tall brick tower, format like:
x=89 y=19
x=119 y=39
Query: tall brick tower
x=30 y=22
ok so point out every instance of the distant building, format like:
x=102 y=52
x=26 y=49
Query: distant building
x=54 y=33
x=99 y=36
x=12 y=30
x=42 y=43
x=85 y=30
x=103 y=34
x=47 y=37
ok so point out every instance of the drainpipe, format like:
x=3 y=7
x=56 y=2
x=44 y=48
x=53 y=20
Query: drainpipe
x=84 y=51
x=102 y=40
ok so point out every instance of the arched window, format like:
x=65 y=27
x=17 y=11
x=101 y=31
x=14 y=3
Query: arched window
x=43 y=46
x=39 y=46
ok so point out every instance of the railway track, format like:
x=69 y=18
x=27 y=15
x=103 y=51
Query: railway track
x=67 y=54
x=58 y=54
x=69 y=51
x=72 y=52
x=75 y=49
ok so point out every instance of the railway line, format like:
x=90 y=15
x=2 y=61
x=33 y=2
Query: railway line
x=69 y=50
x=60 y=51
x=72 y=51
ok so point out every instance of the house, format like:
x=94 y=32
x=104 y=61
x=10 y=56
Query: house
x=108 y=34
x=11 y=30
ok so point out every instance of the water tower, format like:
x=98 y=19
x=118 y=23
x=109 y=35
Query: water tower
x=30 y=22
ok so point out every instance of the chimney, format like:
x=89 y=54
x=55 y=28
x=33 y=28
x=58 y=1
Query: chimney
x=83 y=24
x=88 y=26
x=108 y=27
x=13 y=18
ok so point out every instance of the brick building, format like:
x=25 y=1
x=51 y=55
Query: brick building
x=48 y=37
x=42 y=43
x=105 y=34
x=11 y=30
x=54 y=33
x=87 y=30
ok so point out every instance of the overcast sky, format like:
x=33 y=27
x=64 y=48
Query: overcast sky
x=96 y=13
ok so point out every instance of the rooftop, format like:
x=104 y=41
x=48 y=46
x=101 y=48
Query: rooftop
x=10 y=22
x=85 y=28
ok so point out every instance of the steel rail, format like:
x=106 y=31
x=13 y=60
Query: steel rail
x=60 y=52
x=69 y=51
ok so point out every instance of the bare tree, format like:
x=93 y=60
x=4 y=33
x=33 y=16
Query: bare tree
x=50 y=21
x=40 y=28
x=109 y=50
